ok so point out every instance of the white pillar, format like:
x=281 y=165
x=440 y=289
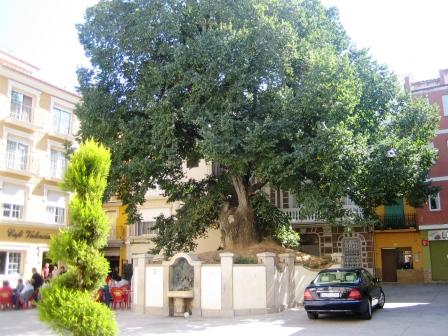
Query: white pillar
x=227 y=283
x=139 y=284
x=288 y=260
x=267 y=258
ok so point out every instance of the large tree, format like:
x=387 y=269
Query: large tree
x=273 y=91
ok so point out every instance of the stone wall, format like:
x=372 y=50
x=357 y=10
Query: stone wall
x=226 y=289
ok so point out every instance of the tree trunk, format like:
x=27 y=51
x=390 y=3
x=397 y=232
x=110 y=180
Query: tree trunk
x=238 y=224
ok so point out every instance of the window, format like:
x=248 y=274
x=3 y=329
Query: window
x=273 y=196
x=12 y=201
x=58 y=164
x=404 y=258
x=21 y=106
x=285 y=199
x=16 y=155
x=61 y=121
x=10 y=262
x=146 y=228
x=12 y=210
x=56 y=214
x=434 y=202
x=149 y=217
x=55 y=207
x=445 y=105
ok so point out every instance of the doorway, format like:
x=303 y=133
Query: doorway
x=439 y=260
x=389 y=262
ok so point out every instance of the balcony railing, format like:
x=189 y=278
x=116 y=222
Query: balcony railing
x=20 y=111
x=25 y=116
x=156 y=192
x=297 y=215
x=18 y=163
x=117 y=233
x=390 y=222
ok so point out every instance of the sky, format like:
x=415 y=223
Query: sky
x=410 y=36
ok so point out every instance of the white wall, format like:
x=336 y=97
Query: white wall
x=154 y=286
x=302 y=278
x=134 y=284
x=249 y=287
x=211 y=287
x=281 y=279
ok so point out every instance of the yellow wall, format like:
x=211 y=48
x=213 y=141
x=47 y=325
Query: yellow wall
x=399 y=239
x=408 y=210
x=3 y=86
x=120 y=226
x=45 y=101
x=396 y=239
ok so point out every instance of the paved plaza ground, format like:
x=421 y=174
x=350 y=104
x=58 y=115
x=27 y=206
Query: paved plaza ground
x=411 y=310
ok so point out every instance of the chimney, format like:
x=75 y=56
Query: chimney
x=443 y=74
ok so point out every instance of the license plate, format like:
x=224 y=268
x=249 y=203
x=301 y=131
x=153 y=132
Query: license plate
x=329 y=295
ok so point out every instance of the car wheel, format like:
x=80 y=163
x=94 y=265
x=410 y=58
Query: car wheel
x=368 y=314
x=381 y=301
x=312 y=316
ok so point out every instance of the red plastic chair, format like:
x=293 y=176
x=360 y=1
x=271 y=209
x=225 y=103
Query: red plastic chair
x=6 y=295
x=118 y=298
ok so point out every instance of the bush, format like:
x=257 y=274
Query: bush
x=68 y=304
x=73 y=311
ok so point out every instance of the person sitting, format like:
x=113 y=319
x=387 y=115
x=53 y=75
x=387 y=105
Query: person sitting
x=6 y=295
x=6 y=286
x=107 y=297
x=121 y=283
x=26 y=294
x=16 y=291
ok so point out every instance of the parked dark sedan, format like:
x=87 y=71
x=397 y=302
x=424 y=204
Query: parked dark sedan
x=343 y=290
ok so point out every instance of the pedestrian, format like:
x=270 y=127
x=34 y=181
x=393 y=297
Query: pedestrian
x=37 y=281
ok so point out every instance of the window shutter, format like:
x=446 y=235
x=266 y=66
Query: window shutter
x=13 y=194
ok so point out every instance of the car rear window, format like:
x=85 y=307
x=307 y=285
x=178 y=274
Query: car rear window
x=336 y=277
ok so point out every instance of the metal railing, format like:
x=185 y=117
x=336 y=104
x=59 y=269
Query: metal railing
x=27 y=115
x=117 y=233
x=18 y=162
x=405 y=221
x=297 y=215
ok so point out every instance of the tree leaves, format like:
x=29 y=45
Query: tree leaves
x=272 y=91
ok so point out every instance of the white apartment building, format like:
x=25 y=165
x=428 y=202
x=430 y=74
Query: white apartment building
x=36 y=119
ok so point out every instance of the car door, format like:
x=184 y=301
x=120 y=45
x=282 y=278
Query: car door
x=372 y=287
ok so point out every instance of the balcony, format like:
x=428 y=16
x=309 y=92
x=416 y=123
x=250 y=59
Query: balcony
x=156 y=192
x=25 y=165
x=396 y=222
x=23 y=116
x=297 y=215
x=116 y=236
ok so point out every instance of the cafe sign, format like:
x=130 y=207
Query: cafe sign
x=26 y=234
x=438 y=235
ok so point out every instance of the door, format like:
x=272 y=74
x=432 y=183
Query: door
x=394 y=214
x=351 y=253
x=389 y=261
x=439 y=260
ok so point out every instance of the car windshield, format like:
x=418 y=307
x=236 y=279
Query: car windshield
x=336 y=277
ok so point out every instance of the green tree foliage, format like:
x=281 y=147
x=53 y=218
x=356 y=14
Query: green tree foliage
x=68 y=302
x=272 y=91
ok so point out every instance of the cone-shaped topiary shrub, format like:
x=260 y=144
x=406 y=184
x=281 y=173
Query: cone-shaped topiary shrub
x=68 y=302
